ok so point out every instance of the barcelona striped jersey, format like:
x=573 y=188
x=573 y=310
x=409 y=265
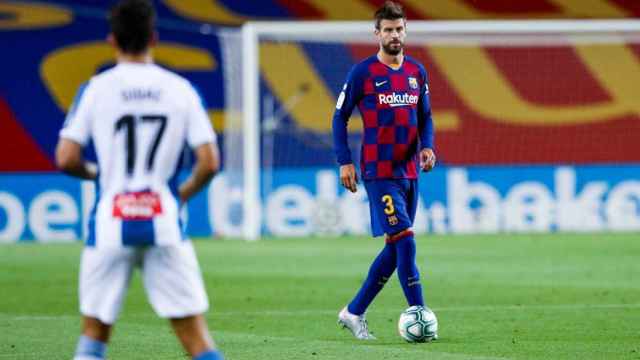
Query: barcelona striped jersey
x=396 y=112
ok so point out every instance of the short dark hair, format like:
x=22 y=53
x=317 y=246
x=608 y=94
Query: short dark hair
x=389 y=11
x=132 y=24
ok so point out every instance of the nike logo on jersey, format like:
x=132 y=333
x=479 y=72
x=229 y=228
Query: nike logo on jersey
x=381 y=83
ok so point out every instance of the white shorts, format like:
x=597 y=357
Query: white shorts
x=171 y=277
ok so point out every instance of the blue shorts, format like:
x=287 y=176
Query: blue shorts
x=392 y=203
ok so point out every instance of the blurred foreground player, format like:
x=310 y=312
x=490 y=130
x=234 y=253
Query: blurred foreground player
x=392 y=95
x=139 y=117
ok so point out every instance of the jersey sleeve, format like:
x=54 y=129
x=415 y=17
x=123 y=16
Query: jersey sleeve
x=425 y=121
x=199 y=130
x=77 y=125
x=349 y=96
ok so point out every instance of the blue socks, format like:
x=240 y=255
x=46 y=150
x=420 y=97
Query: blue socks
x=90 y=347
x=209 y=355
x=383 y=266
x=408 y=271
x=400 y=254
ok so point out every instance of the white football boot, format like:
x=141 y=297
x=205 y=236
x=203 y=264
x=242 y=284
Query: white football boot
x=357 y=324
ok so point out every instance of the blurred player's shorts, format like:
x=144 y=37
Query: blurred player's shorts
x=171 y=277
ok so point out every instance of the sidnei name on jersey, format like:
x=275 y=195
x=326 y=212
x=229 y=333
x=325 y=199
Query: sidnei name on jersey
x=138 y=94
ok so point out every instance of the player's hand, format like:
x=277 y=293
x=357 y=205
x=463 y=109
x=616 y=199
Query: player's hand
x=427 y=159
x=348 y=177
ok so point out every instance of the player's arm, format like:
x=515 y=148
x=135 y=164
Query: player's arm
x=75 y=133
x=425 y=128
x=203 y=140
x=348 y=98
x=69 y=159
x=206 y=166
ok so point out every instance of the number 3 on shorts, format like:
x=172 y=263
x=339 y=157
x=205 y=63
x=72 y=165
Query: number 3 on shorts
x=388 y=201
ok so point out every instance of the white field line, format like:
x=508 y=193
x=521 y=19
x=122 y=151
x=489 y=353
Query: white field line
x=439 y=309
x=215 y=313
x=35 y=355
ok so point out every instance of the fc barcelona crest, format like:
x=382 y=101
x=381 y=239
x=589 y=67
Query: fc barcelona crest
x=413 y=83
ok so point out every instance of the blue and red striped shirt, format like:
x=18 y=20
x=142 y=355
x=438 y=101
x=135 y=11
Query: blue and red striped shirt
x=395 y=109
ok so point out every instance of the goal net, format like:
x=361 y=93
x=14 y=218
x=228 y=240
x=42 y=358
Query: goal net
x=503 y=93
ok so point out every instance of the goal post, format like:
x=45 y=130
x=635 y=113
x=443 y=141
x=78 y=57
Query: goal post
x=252 y=204
x=248 y=86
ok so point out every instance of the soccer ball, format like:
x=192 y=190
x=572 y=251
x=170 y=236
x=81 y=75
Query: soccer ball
x=418 y=324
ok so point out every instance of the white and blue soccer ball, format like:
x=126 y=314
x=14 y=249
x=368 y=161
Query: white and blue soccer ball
x=418 y=324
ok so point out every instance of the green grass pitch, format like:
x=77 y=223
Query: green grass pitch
x=496 y=297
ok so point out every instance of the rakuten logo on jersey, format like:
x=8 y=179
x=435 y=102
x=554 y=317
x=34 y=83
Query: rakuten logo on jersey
x=395 y=99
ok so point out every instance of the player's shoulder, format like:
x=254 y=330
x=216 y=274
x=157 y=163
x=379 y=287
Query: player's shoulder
x=102 y=78
x=171 y=76
x=415 y=63
x=366 y=62
x=361 y=69
x=86 y=90
x=102 y=81
x=161 y=75
x=170 y=79
x=179 y=82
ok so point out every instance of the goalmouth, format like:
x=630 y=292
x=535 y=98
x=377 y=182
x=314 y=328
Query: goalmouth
x=245 y=108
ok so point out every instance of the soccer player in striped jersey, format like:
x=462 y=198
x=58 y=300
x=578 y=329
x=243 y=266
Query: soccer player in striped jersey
x=139 y=117
x=392 y=95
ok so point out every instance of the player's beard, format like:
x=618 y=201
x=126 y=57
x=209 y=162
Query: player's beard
x=393 y=47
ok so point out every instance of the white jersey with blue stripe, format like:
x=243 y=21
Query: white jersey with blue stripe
x=139 y=117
